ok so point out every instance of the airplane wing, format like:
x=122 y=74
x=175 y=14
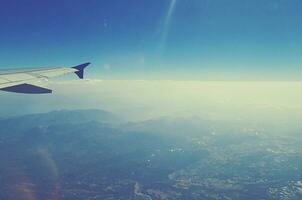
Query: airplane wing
x=22 y=81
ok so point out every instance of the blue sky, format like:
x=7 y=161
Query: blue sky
x=158 y=39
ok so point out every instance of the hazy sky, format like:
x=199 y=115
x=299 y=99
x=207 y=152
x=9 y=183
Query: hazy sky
x=273 y=102
x=158 y=39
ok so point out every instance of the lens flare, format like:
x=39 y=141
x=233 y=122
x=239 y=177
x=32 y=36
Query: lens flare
x=167 y=23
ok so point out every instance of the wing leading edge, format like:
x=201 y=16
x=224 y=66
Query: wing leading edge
x=20 y=81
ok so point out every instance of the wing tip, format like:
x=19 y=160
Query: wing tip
x=80 y=69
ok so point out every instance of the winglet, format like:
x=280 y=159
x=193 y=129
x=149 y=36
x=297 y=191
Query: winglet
x=80 y=70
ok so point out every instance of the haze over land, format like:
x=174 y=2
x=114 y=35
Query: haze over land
x=92 y=154
x=140 y=100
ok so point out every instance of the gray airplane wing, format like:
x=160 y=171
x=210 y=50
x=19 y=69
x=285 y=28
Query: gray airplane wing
x=22 y=81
